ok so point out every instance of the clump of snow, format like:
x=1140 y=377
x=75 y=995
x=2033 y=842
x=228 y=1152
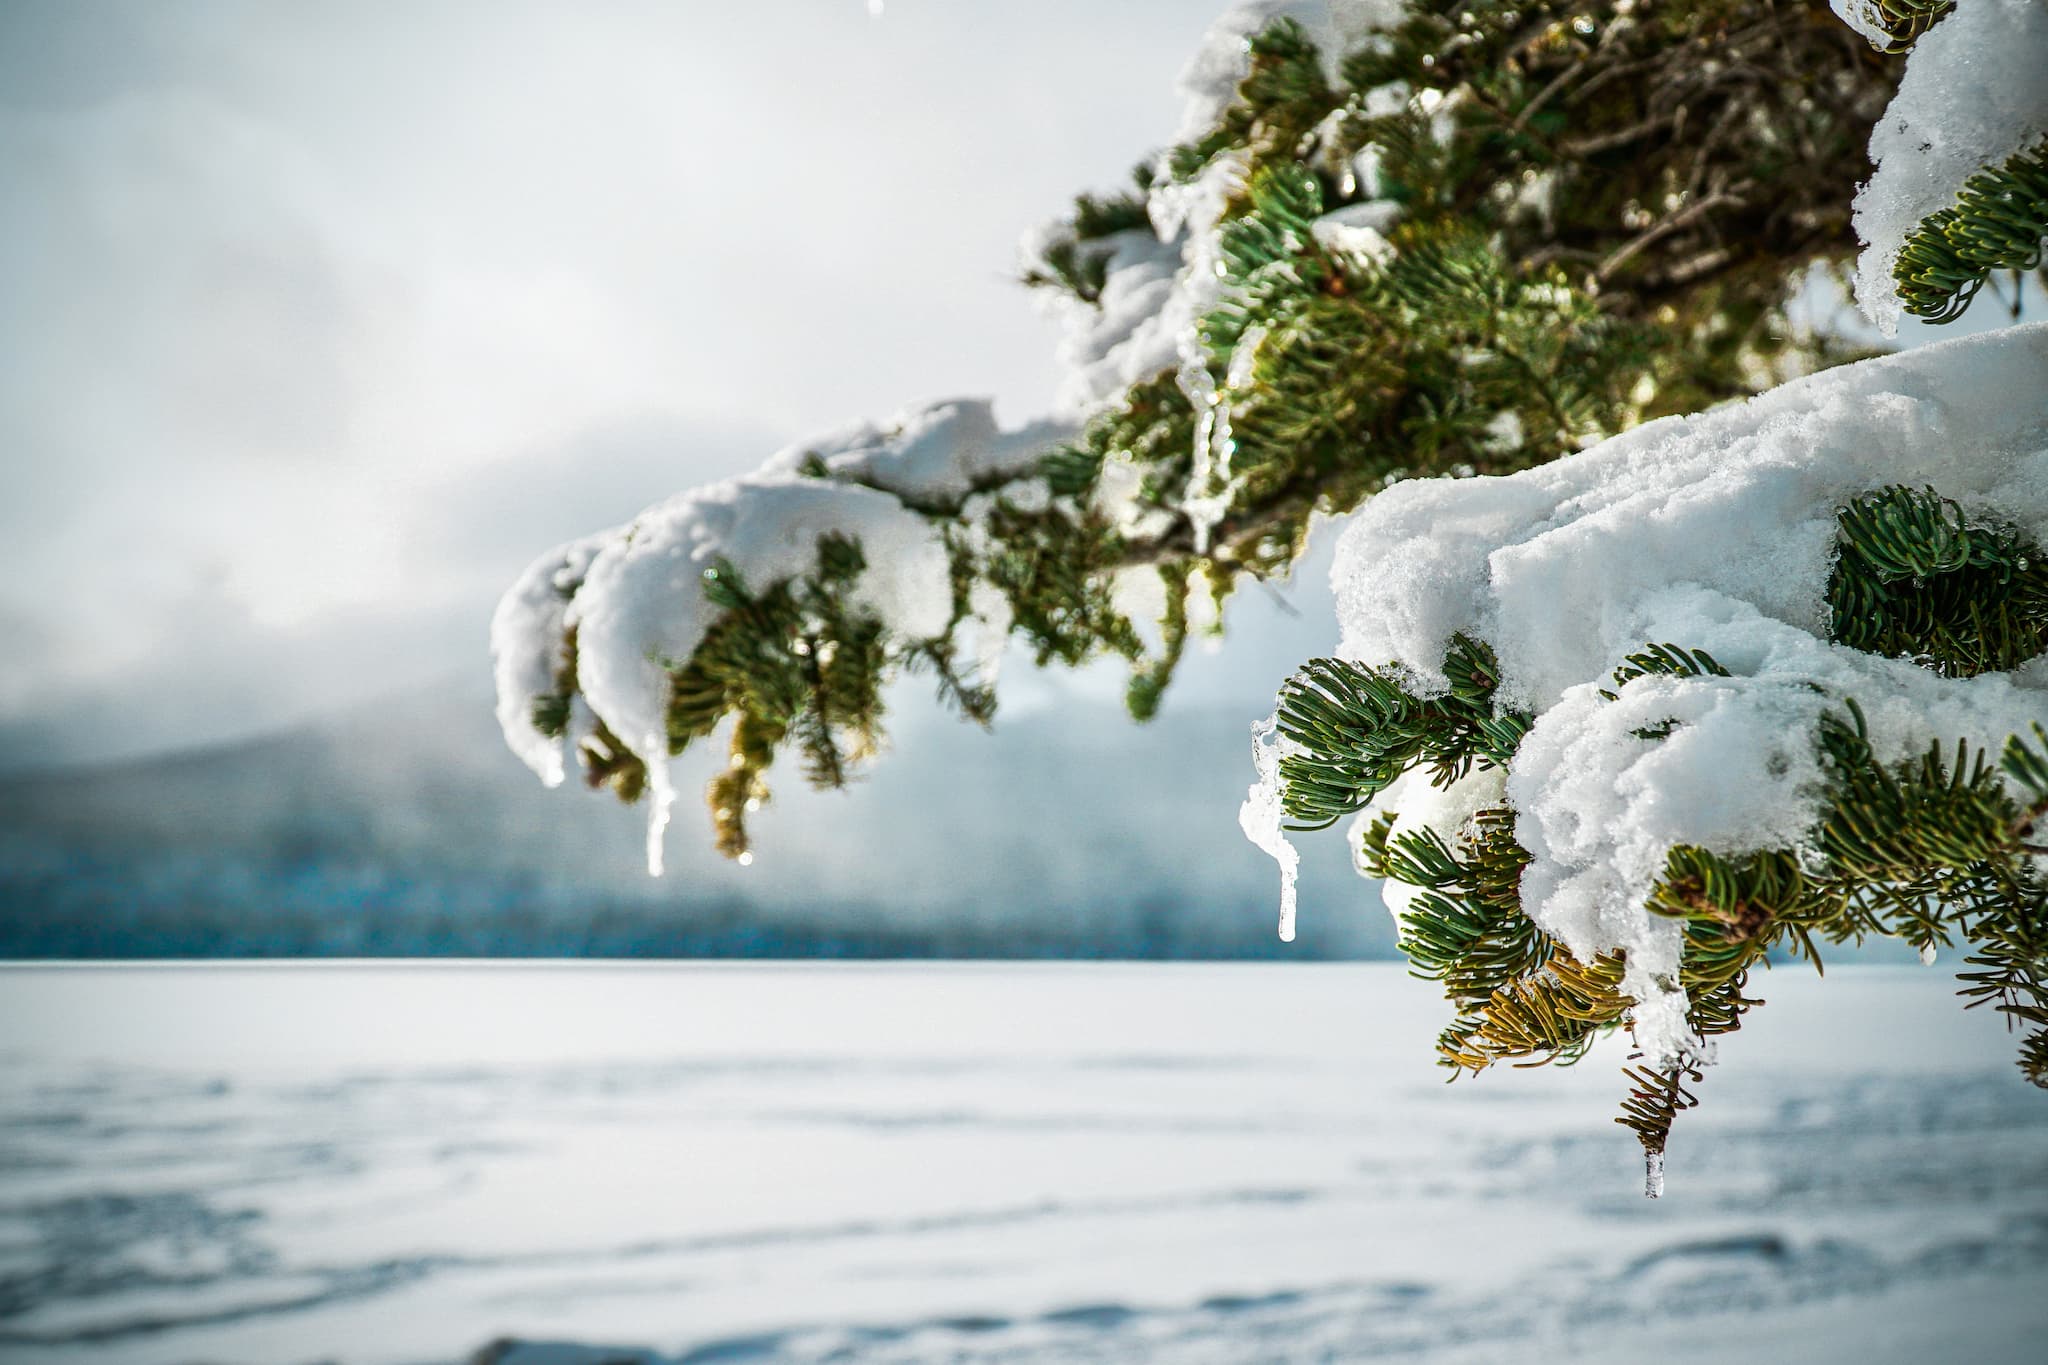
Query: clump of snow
x=1504 y=433
x=933 y=453
x=1209 y=82
x=1119 y=497
x=1156 y=290
x=1158 y=285
x=1536 y=197
x=987 y=629
x=1128 y=334
x=1974 y=93
x=1356 y=230
x=635 y=595
x=1711 y=532
x=1205 y=614
x=1419 y=804
x=642 y=611
x=1865 y=17
x=527 y=652
x=1139 y=595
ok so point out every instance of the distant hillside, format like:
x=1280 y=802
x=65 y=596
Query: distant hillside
x=408 y=829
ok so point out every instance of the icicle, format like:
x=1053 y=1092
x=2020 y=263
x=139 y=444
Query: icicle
x=987 y=630
x=662 y=793
x=1203 y=511
x=1222 y=443
x=1653 y=1175
x=1261 y=815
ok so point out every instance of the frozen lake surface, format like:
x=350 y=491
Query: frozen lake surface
x=797 y=1162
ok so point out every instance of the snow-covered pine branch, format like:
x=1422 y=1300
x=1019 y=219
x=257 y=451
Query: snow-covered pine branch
x=1961 y=187
x=592 y=641
x=1773 y=675
x=1393 y=240
x=1719 y=538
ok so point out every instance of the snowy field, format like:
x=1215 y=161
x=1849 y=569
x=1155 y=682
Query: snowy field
x=539 y=1164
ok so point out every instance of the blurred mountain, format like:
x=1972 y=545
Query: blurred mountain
x=407 y=829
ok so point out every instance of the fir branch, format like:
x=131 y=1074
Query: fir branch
x=1466 y=928
x=1549 y=1017
x=1999 y=221
x=1914 y=578
x=1654 y=1103
x=1358 y=729
x=1903 y=21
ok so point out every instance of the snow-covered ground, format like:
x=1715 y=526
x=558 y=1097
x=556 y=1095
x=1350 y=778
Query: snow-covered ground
x=391 y=1163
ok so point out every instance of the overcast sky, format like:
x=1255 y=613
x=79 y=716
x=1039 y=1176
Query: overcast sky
x=319 y=321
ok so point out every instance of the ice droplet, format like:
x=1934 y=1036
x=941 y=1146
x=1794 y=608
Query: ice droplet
x=1653 y=1175
x=1927 y=955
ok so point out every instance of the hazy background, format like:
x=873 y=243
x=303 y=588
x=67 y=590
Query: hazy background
x=318 y=322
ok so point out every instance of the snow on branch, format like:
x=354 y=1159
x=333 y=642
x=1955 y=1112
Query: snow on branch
x=1665 y=683
x=1974 y=98
x=609 y=619
x=1395 y=240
